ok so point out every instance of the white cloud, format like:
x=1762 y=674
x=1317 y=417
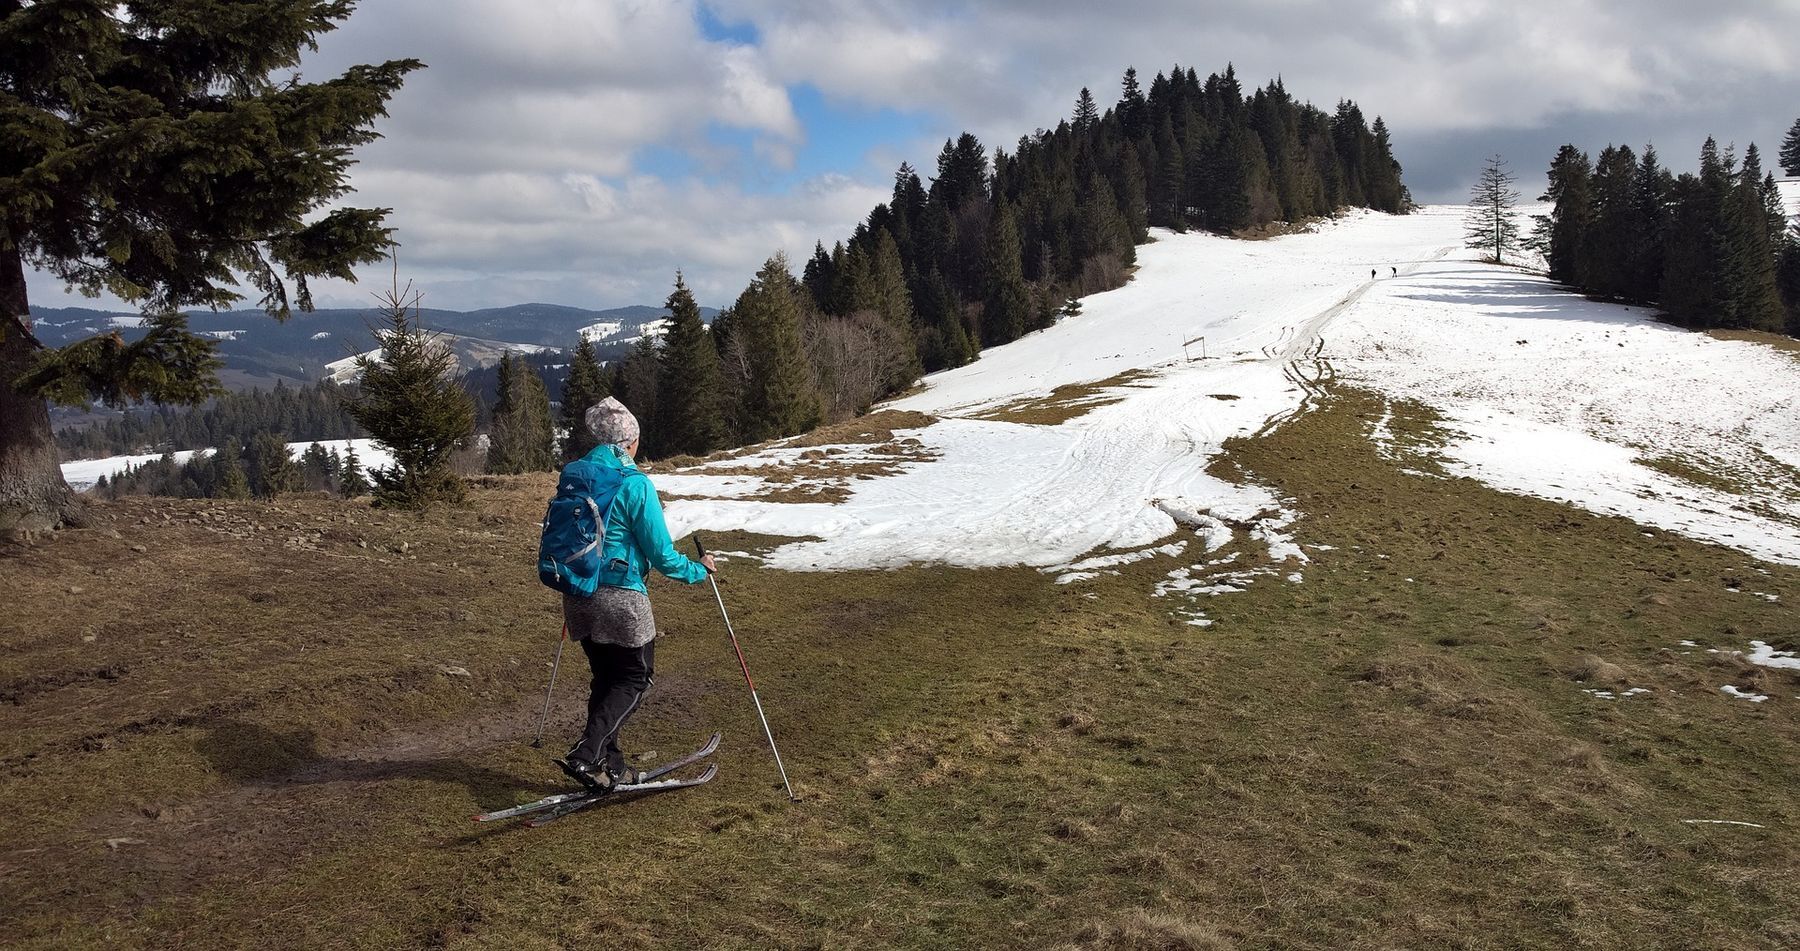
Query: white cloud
x=522 y=163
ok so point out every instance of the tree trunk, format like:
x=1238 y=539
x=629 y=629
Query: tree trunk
x=33 y=495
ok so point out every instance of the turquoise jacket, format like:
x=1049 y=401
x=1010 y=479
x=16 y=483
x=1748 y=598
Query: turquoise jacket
x=637 y=538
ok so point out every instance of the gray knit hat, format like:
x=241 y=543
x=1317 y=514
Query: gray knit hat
x=612 y=424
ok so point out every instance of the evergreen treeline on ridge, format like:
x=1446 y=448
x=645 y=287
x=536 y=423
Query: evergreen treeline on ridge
x=1713 y=249
x=993 y=249
x=315 y=412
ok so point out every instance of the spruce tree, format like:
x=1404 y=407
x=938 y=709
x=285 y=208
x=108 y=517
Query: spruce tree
x=1007 y=309
x=272 y=470
x=314 y=469
x=163 y=151
x=945 y=343
x=780 y=398
x=1787 y=276
x=1650 y=188
x=1612 y=231
x=522 y=437
x=1489 y=224
x=1087 y=113
x=1790 y=151
x=585 y=385
x=503 y=437
x=1690 y=256
x=352 y=481
x=228 y=479
x=892 y=301
x=635 y=382
x=1562 y=234
x=1753 y=297
x=412 y=403
x=537 y=439
x=690 y=396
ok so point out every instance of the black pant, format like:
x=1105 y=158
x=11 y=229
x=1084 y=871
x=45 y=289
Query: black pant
x=621 y=678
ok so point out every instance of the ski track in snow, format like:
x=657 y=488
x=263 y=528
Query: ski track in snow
x=1071 y=498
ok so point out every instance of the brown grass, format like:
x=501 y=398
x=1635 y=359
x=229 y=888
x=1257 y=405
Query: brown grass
x=1070 y=401
x=1389 y=754
x=1782 y=342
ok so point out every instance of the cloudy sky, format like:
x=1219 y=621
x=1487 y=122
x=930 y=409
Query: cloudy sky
x=580 y=151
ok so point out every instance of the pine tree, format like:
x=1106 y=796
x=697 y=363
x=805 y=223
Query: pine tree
x=635 y=382
x=522 y=437
x=1087 y=114
x=1754 y=298
x=1650 y=188
x=412 y=403
x=779 y=397
x=1606 y=252
x=945 y=343
x=1689 y=255
x=1132 y=108
x=537 y=428
x=228 y=479
x=163 y=151
x=314 y=473
x=585 y=385
x=1489 y=224
x=272 y=470
x=689 y=400
x=1790 y=151
x=1008 y=305
x=892 y=301
x=1562 y=234
x=352 y=480
x=1787 y=275
x=503 y=438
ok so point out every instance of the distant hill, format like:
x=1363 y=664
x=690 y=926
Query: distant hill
x=258 y=350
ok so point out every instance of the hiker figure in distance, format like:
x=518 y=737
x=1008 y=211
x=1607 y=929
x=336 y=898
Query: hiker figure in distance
x=614 y=625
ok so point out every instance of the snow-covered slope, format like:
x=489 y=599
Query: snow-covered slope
x=1124 y=475
x=1545 y=393
x=1548 y=394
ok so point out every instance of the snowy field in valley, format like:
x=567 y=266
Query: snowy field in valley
x=1113 y=483
x=83 y=473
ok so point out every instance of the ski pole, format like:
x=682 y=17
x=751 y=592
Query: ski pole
x=701 y=549
x=538 y=741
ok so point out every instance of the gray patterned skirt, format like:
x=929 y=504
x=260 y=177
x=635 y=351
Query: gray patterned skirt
x=612 y=616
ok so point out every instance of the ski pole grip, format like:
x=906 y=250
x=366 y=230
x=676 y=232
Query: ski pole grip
x=699 y=549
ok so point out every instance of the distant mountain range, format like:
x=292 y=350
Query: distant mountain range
x=259 y=350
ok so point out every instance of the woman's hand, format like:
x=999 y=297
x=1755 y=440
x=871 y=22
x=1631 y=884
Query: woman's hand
x=707 y=561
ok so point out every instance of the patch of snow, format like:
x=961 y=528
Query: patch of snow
x=1732 y=690
x=1545 y=393
x=1610 y=695
x=1124 y=558
x=1722 y=822
x=1763 y=654
x=321 y=335
x=222 y=334
x=126 y=320
x=343 y=371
